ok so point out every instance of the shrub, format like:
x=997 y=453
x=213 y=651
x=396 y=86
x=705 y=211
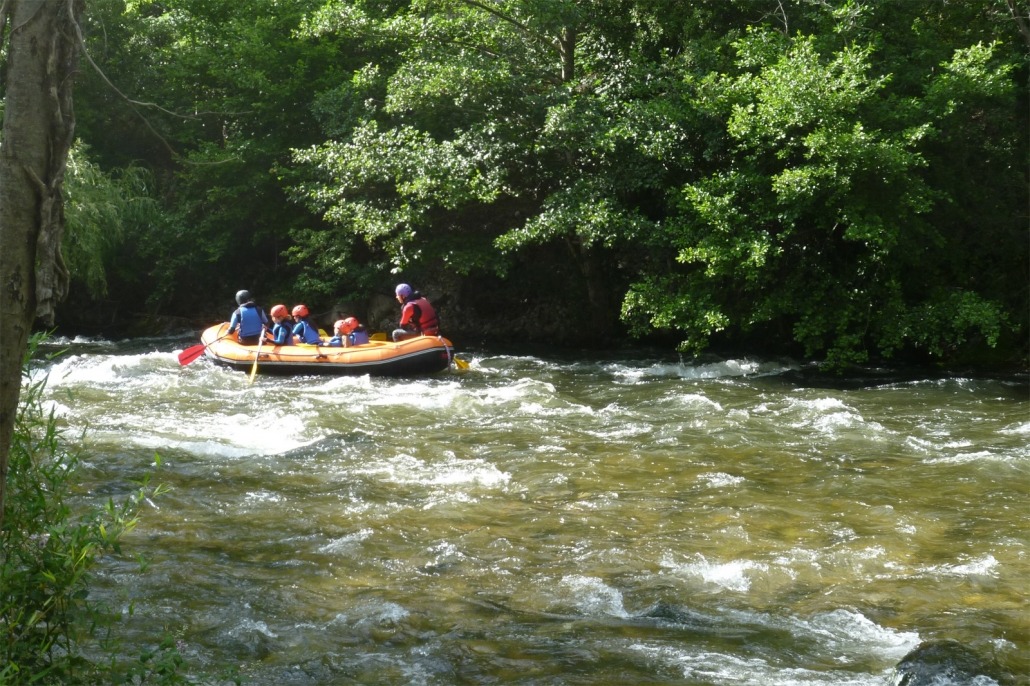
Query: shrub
x=47 y=553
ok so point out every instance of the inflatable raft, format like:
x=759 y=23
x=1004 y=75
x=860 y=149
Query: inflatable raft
x=421 y=355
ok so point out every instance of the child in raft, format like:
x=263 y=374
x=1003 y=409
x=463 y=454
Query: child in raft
x=305 y=331
x=349 y=332
x=282 y=329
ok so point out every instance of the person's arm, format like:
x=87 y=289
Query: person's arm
x=410 y=317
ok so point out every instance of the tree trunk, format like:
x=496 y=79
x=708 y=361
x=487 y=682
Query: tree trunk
x=588 y=259
x=567 y=51
x=41 y=38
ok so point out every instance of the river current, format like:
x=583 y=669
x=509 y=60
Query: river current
x=541 y=520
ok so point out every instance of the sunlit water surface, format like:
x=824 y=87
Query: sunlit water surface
x=535 y=520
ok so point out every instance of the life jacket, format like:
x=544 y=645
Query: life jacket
x=282 y=333
x=358 y=336
x=307 y=333
x=250 y=319
x=419 y=316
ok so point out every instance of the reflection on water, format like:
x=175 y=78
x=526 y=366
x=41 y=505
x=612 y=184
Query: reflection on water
x=543 y=521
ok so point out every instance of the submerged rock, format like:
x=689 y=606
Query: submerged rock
x=945 y=663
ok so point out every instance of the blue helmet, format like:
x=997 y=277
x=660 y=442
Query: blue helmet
x=403 y=290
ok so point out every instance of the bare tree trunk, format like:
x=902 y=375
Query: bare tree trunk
x=567 y=50
x=41 y=38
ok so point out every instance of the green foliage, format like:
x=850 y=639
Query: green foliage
x=49 y=626
x=835 y=175
x=825 y=218
x=219 y=94
x=492 y=130
x=101 y=212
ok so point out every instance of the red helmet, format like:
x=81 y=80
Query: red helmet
x=279 y=311
x=338 y=326
x=348 y=325
x=300 y=311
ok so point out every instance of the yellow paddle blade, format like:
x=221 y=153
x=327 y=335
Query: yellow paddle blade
x=460 y=363
x=378 y=337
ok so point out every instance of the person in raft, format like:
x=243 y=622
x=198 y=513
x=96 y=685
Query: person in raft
x=249 y=318
x=282 y=329
x=349 y=332
x=305 y=331
x=417 y=316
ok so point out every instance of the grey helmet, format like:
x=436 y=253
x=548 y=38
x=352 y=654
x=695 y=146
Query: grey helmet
x=243 y=297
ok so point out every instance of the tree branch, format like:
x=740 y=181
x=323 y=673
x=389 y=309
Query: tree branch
x=1021 y=21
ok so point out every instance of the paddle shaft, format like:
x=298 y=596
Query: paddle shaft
x=253 y=370
x=192 y=353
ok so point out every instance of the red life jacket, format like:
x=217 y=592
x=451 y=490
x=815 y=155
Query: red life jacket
x=419 y=316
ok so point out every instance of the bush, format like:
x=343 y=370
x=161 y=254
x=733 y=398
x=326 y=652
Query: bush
x=47 y=553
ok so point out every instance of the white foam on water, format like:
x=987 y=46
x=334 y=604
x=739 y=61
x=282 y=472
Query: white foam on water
x=851 y=633
x=830 y=417
x=346 y=544
x=372 y=614
x=1021 y=429
x=262 y=497
x=720 y=479
x=268 y=431
x=717 y=370
x=622 y=431
x=710 y=667
x=251 y=626
x=731 y=576
x=132 y=371
x=698 y=402
x=62 y=341
x=973 y=457
x=407 y=469
x=839 y=636
x=592 y=596
x=516 y=391
x=446 y=553
x=984 y=565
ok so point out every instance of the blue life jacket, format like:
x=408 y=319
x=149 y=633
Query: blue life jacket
x=358 y=336
x=249 y=318
x=307 y=333
x=282 y=333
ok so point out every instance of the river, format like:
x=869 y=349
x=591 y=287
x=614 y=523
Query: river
x=553 y=520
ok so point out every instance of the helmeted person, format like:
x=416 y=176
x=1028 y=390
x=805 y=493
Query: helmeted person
x=249 y=318
x=417 y=316
x=349 y=332
x=304 y=330
x=282 y=327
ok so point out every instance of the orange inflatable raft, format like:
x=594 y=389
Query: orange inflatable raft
x=421 y=355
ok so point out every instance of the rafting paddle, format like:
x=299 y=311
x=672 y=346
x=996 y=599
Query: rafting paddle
x=253 y=370
x=190 y=354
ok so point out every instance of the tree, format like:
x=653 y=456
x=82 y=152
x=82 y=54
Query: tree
x=42 y=47
x=841 y=214
x=526 y=139
x=215 y=95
